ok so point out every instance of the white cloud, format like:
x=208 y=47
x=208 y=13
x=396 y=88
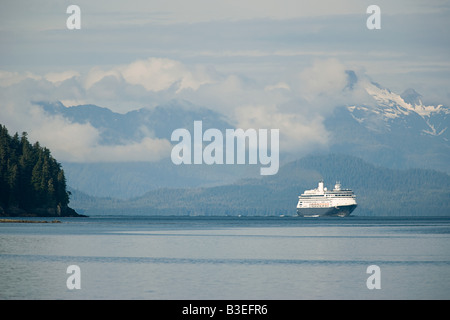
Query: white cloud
x=299 y=133
x=154 y=74
x=58 y=77
x=323 y=78
x=72 y=102
x=74 y=142
x=148 y=149
x=96 y=74
x=8 y=78
x=279 y=85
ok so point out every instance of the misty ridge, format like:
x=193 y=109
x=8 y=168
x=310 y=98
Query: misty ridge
x=379 y=192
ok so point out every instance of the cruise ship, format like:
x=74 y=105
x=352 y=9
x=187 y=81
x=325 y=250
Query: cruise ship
x=321 y=202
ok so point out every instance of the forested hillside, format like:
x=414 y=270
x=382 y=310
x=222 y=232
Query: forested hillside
x=32 y=182
x=380 y=192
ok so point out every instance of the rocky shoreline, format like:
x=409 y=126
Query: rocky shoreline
x=57 y=212
x=27 y=221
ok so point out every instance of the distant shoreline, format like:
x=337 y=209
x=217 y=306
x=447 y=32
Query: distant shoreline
x=27 y=221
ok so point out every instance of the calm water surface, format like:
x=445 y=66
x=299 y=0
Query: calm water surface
x=226 y=258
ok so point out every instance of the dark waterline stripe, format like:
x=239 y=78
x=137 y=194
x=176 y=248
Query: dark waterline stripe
x=167 y=260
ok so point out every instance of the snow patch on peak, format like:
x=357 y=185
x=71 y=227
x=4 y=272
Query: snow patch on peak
x=428 y=110
x=433 y=130
x=407 y=110
x=392 y=103
x=395 y=104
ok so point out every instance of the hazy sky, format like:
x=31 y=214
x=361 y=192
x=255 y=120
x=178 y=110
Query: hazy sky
x=281 y=61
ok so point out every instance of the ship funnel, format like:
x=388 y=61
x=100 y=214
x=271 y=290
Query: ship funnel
x=321 y=186
x=337 y=186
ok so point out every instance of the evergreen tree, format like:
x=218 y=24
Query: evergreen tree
x=30 y=178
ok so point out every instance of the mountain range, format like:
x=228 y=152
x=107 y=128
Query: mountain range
x=393 y=132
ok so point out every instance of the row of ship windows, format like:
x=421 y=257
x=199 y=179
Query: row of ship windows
x=328 y=195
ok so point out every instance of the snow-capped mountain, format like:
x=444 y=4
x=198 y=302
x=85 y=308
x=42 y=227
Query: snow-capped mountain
x=395 y=130
x=391 y=106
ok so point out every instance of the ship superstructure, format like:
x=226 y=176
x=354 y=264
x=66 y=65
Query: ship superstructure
x=321 y=202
